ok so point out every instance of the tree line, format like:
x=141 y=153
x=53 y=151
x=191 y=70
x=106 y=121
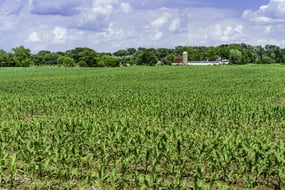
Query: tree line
x=87 y=57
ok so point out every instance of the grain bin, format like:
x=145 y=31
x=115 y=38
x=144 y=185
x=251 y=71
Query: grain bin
x=185 y=58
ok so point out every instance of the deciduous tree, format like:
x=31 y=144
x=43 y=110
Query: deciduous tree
x=235 y=56
x=22 y=56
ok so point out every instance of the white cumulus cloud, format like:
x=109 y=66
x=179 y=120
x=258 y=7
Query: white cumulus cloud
x=267 y=23
x=60 y=34
x=125 y=7
x=274 y=11
x=161 y=20
x=157 y=35
x=34 y=37
x=174 y=25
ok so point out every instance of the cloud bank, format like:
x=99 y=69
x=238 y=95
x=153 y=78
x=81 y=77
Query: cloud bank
x=109 y=25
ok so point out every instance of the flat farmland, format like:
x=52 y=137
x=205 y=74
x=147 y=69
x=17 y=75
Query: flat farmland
x=164 y=127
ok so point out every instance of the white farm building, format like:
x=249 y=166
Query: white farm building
x=217 y=62
x=184 y=61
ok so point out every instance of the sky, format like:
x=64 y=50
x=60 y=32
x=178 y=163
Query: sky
x=111 y=25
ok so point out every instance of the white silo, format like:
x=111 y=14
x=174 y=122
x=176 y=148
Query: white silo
x=185 y=58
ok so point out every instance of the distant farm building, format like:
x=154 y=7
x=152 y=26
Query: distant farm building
x=178 y=60
x=183 y=60
x=217 y=62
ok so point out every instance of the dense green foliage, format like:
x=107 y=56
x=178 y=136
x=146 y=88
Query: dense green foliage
x=142 y=127
x=86 y=57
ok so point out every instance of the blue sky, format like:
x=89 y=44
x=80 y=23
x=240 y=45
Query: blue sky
x=110 y=25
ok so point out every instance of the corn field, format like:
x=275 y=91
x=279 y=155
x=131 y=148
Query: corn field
x=143 y=127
